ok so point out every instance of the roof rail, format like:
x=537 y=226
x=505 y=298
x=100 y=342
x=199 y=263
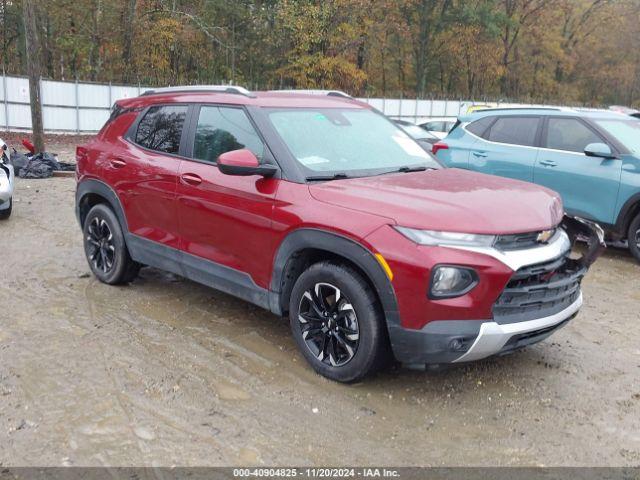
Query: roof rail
x=493 y=109
x=201 y=88
x=328 y=93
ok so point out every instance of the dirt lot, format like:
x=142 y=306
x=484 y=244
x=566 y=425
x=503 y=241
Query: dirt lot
x=167 y=372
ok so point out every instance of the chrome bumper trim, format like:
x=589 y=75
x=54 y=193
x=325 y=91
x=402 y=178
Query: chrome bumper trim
x=493 y=336
x=516 y=259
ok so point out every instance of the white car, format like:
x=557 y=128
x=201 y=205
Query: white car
x=439 y=127
x=6 y=183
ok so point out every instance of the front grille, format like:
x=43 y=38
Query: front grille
x=517 y=241
x=538 y=291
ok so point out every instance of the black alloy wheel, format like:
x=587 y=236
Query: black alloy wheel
x=102 y=248
x=329 y=324
x=338 y=323
x=105 y=247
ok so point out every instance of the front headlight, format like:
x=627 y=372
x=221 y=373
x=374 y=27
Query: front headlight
x=433 y=238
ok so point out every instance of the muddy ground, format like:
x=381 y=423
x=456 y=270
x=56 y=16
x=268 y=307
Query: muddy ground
x=168 y=372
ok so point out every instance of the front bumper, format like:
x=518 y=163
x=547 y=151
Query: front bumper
x=6 y=183
x=456 y=341
x=542 y=295
x=494 y=338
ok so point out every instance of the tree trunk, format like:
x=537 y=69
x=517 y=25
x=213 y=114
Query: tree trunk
x=33 y=67
x=127 y=40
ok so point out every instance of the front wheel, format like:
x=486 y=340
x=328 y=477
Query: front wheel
x=6 y=213
x=633 y=237
x=337 y=322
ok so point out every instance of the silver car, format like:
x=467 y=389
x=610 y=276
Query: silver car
x=6 y=183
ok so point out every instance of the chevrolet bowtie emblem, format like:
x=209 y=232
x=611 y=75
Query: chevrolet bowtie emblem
x=545 y=236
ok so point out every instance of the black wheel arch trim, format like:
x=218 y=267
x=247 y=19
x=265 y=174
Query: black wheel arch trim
x=363 y=258
x=92 y=186
x=627 y=213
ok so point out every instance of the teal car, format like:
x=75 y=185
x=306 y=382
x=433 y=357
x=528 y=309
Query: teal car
x=591 y=158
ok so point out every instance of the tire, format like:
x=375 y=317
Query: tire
x=349 y=343
x=105 y=248
x=4 y=214
x=633 y=237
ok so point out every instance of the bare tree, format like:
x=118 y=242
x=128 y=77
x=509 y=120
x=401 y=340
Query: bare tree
x=33 y=67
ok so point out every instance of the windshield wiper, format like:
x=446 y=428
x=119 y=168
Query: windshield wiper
x=419 y=168
x=333 y=176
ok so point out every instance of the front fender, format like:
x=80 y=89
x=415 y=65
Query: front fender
x=353 y=251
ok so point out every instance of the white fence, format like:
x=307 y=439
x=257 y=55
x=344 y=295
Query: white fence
x=66 y=106
x=71 y=107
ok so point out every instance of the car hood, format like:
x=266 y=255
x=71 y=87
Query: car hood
x=448 y=200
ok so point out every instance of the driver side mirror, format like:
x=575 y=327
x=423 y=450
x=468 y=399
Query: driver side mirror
x=601 y=150
x=244 y=163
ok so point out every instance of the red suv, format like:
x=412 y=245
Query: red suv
x=320 y=208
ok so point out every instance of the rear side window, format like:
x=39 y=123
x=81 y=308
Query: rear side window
x=161 y=128
x=480 y=126
x=222 y=129
x=569 y=134
x=514 y=130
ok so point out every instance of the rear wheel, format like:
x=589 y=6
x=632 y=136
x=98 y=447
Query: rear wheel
x=6 y=213
x=337 y=322
x=633 y=237
x=105 y=248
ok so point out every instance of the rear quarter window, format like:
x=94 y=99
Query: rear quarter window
x=479 y=127
x=161 y=128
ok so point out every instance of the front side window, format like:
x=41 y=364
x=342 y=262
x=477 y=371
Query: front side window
x=627 y=132
x=569 y=134
x=223 y=129
x=514 y=130
x=356 y=142
x=161 y=128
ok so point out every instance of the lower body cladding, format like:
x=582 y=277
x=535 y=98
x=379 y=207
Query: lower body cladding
x=541 y=296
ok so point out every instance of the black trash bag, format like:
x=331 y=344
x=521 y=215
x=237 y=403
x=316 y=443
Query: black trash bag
x=40 y=165
x=36 y=168
x=18 y=160
x=66 y=167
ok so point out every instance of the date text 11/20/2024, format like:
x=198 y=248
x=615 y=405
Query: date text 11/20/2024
x=316 y=472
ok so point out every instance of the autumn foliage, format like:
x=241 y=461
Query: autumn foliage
x=582 y=51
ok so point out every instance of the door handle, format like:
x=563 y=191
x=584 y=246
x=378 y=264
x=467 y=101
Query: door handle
x=479 y=154
x=548 y=163
x=117 y=163
x=191 y=179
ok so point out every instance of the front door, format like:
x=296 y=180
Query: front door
x=588 y=185
x=222 y=218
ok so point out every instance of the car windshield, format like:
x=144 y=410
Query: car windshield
x=625 y=131
x=349 y=142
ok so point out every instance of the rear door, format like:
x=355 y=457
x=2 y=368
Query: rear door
x=507 y=147
x=588 y=185
x=222 y=218
x=144 y=172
